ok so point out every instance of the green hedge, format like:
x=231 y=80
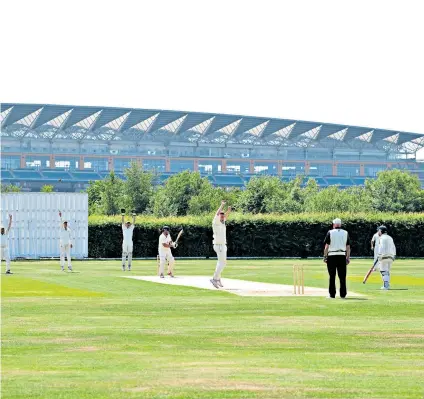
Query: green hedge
x=290 y=235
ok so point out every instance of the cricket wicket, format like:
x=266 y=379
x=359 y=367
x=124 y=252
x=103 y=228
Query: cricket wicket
x=298 y=280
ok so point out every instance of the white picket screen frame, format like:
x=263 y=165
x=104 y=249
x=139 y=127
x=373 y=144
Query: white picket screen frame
x=36 y=224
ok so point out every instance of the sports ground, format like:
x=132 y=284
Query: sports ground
x=93 y=334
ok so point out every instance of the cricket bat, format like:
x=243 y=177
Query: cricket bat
x=369 y=272
x=178 y=237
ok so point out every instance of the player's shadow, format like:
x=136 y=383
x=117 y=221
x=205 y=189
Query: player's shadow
x=395 y=289
x=356 y=299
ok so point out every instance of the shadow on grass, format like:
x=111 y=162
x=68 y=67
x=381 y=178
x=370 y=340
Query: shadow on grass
x=356 y=299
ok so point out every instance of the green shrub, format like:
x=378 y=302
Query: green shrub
x=288 y=235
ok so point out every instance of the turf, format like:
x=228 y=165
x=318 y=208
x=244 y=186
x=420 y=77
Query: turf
x=92 y=334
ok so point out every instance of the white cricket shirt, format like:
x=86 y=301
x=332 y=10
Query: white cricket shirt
x=65 y=236
x=164 y=240
x=4 y=239
x=387 y=248
x=219 y=231
x=127 y=233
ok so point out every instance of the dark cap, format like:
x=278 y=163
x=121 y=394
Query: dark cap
x=383 y=229
x=165 y=228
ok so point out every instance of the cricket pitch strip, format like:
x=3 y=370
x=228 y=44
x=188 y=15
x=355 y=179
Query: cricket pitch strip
x=237 y=287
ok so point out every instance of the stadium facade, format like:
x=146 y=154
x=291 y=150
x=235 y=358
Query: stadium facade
x=68 y=146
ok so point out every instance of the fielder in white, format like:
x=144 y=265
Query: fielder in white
x=220 y=242
x=165 y=254
x=4 y=248
x=127 y=243
x=386 y=256
x=65 y=243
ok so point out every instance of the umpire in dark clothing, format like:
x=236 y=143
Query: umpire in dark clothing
x=337 y=257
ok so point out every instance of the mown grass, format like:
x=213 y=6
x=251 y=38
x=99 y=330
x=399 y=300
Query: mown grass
x=92 y=334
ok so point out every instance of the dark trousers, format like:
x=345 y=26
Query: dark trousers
x=337 y=263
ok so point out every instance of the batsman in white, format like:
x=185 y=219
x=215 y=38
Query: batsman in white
x=386 y=256
x=220 y=242
x=165 y=254
x=65 y=243
x=127 y=243
x=4 y=248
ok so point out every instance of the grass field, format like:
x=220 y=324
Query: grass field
x=92 y=334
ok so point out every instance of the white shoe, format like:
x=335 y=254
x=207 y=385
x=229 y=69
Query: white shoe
x=162 y=276
x=214 y=283
x=219 y=283
x=331 y=297
x=385 y=288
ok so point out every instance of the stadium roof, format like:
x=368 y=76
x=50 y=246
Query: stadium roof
x=81 y=123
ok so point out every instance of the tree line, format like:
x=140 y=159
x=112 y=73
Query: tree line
x=188 y=193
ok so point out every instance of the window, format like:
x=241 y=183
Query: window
x=98 y=164
x=156 y=165
x=238 y=167
x=344 y=169
x=209 y=167
x=372 y=170
x=293 y=168
x=61 y=161
x=119 y=164
x=37 y=162
x=266 y=168
x=179 y=166
x=10 y=162
x=320 y=169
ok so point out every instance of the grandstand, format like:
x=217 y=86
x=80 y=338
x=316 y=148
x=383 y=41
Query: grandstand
x=69 y=146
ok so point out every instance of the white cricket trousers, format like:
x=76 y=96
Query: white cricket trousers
x=385 y=266
x=221 y=253
x=5 y=255
x=127 y=250
x=65 y=250
x=163 y=257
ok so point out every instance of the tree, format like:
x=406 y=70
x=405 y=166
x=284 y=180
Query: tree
x=47 y=188
x=10 y=188
x=270 y=195
x=333 y=199
x=209 y=199
x=296 y=195
x=94 y=191
x=174 y=197
x=358 y=199
x=138 y=187
x=112 y=198
x=261 y=193
x=395 y=191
